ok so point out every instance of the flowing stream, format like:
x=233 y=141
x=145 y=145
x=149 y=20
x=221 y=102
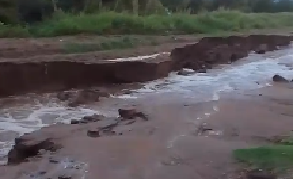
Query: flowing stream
x=31 y=112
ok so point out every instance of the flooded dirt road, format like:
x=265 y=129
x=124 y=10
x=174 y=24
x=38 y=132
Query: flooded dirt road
x=170 y=144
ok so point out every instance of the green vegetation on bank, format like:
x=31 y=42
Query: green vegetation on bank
x=277 y=157
x=112 y=23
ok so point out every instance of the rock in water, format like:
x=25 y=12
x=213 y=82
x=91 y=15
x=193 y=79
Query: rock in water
x=186 y=72
x=75 y=121
x=278 y=78
x=131 y=113
x=202 y=70
x=28 y=146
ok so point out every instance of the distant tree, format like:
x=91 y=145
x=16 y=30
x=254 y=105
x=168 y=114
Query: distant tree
x=8 y=12
x=262 y=5
x=171 y=5
x=283 y=6
x=197 y=5
x=31 y=11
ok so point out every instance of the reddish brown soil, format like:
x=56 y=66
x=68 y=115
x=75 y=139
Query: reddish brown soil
x=168 y=146
x=63 y=72
x=26 y=60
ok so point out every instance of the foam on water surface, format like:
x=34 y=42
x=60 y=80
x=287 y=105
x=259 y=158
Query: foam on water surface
x=254 y=72
x=139 y=58
x=36 y=116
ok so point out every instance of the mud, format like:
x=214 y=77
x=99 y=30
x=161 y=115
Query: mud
x=30 y=145
x=145 y=150
x=178 y=140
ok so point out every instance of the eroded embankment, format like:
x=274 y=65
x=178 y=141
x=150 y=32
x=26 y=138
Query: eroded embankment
x=216 y=50
x=32 y=74
x=84 y=131
x=20 y=77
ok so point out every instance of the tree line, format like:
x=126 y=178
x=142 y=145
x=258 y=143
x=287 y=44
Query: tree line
x=30 y=11
x=257 y=6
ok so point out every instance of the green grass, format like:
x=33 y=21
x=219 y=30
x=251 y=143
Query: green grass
x=111 y=23
x=13 y=31
x=275 y=158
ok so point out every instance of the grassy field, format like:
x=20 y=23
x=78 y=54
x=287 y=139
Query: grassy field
x=277 y=157
x=111 y=23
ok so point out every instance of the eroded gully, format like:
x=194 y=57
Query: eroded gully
x=31 y=112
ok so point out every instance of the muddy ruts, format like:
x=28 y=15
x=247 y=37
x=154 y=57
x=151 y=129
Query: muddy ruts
x=215 y=50
x=22 y=77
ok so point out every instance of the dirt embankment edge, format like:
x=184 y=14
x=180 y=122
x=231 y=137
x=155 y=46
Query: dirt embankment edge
x=17 y=77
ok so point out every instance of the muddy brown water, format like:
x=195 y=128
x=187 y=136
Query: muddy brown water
x=24 y=114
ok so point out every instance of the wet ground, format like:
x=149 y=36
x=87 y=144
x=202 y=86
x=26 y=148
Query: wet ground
x=177 y=105
x=21 y=115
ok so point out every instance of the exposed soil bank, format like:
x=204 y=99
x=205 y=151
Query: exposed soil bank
x=215 y=50
x=172 y=144
x=64 y=71
x=20 y=77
